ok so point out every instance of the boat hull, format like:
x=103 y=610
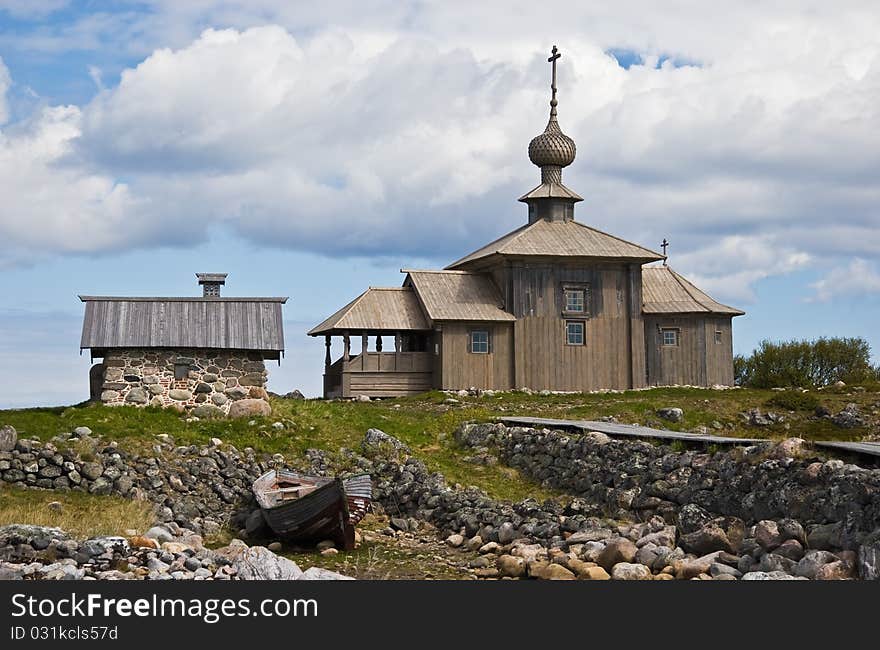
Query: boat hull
x=327 y=512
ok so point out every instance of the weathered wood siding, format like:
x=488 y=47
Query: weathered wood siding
x=380 y=374
x=460 y=368
x=719 y=356
x=613 y=354
x=697 y=360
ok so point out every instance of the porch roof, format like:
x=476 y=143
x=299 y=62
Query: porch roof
x=385 y=309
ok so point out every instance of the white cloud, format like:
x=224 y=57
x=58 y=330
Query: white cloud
x=50 y=206
x=407 y=134
x=858 y=278
x=729 y=268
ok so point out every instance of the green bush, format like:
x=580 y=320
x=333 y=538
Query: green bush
x=806 y=364
x=793 y=400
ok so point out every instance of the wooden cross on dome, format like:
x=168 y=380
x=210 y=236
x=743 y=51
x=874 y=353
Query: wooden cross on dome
x=554 y=54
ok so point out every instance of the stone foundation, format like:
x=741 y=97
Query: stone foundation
x=204 y=382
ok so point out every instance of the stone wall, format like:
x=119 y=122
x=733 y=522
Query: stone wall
x=204 y=382
x=639 y=479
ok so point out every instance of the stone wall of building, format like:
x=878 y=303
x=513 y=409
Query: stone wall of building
x=203 y=382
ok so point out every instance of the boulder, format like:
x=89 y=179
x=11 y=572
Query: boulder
x=137 y=396
x=849 y=417
x=552 y=572
x=8 y=437
x=259 y=563
x=249 y=408
x=767 y=534
x=179 y=394
x=91 y=470
x=691 y=567
x=160 y=534
x=692 y=517
x=511 y=567
x=719 y=534
x=838 y=570
x=628 y=571
x=594 y=573
x=869 y=560
x=812 y=561
x=377 y=440
x=207 y=411
x=317 y=573
x=791 y=549
x=617 y=550
x=773 y=575
x=671 y=413
x=825 y=536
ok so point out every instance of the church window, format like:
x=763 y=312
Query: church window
x=574 y=332
x=480 y=342
x=670 y=336
x=575 y=300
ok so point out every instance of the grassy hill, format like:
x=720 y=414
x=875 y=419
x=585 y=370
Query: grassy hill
x=426 y=422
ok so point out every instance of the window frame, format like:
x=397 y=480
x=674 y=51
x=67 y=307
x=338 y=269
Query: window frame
x=583 y=326
x=472 y=341
x=575 y=287
x=676 y=331
x=719 y=337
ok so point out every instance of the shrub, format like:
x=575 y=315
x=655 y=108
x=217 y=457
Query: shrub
x=806 y=363
x=792 y=400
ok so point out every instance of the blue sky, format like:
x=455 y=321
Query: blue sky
x=313 y=153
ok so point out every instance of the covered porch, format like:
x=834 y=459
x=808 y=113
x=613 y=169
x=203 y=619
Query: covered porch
x=375 y=319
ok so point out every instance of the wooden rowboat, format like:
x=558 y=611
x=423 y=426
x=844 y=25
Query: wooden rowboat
x=301 y=508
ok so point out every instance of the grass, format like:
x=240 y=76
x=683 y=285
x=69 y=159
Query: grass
x=380 y=557
x=80 y=514
x=426 y=423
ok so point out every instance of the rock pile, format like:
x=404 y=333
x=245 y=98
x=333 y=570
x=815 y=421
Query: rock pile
x=199 y=487
x=165 y=552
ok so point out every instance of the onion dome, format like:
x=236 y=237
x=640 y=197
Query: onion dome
x=552 y=147
x=552 y=150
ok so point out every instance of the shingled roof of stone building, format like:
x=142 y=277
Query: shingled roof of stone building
x=666 y=292
x=182 y=322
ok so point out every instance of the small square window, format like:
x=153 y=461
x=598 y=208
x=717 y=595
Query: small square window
x=574 y=332
x=718 y=336
x=480 y=342
x=669 y=336
x=181 y=371
x=575 y=301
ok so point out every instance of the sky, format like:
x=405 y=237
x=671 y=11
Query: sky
x=313 y=149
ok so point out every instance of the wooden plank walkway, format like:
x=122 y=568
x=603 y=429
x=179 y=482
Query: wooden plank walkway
x=636 y=431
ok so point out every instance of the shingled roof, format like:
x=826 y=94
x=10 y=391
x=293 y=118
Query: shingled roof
x=560 y=239
x=202 y=323
x=377 y=309
x=666 y=292
x=458 y=295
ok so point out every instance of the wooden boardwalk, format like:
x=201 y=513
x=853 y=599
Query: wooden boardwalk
x=636 y=431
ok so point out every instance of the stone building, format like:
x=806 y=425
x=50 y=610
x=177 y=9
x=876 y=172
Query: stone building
x=204 y=355
x=556 y=304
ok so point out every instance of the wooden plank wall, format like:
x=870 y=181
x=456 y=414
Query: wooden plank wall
x=681 y=364
x=719 y=356
x=463 y=369
x=613 y=354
